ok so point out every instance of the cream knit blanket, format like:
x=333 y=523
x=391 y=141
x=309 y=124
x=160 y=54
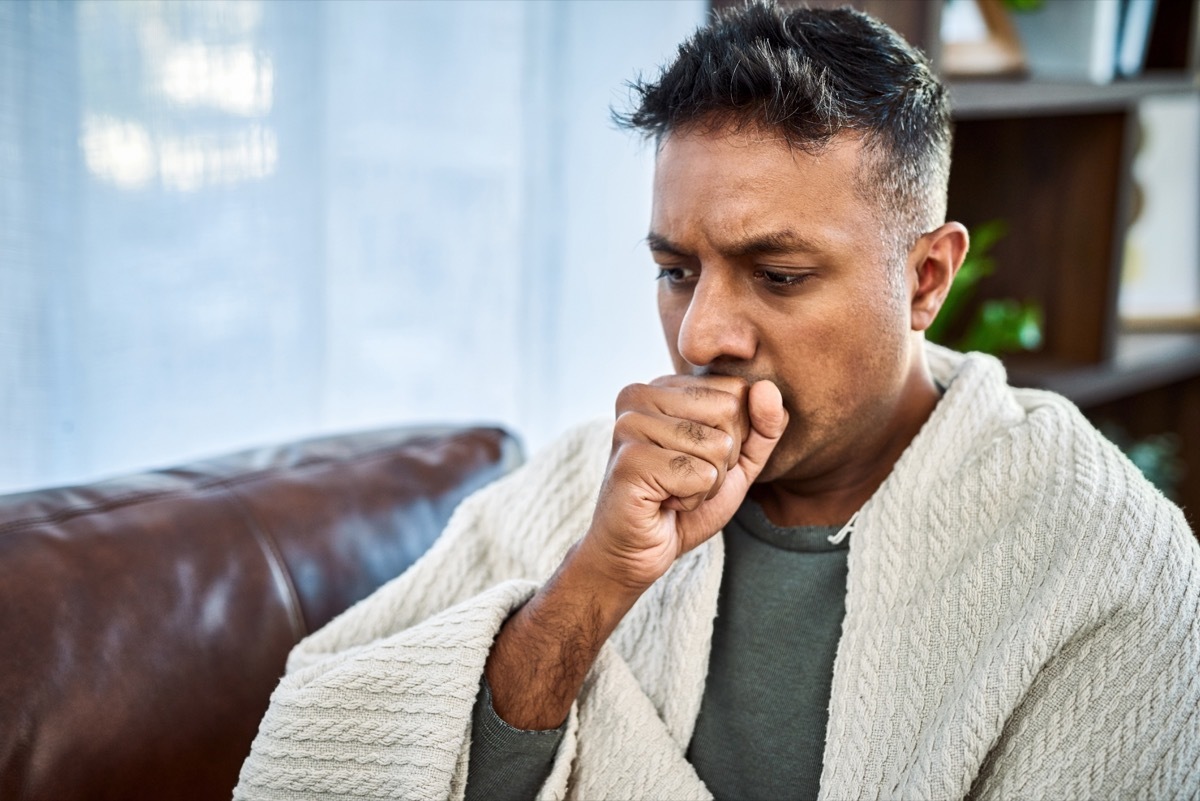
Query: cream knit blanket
x=1021 y=622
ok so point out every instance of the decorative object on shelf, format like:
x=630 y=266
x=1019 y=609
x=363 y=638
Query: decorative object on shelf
x=979 y=40
x=1160 y=281
x=1157 y=456
x=999 y=326
x=1072 y=39
x=1133 y=37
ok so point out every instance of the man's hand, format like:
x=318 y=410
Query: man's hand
x=685 y=452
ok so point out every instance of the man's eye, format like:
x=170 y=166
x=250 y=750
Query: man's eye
x=777 y=279
x=674 y=275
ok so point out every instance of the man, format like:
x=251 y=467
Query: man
x=823 y=558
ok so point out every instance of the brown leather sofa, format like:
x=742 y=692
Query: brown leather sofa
x=144 y=621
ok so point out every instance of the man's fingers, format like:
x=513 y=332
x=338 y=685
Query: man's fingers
x=713 y=401
x=725 y=383
x=768 y=421
x=680 y=435
x=683 y=478
x=688 y=504
x=706 y=444
x=709 y=444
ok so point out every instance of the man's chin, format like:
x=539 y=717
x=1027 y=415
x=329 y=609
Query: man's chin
x=792 y=458
x=776 y=468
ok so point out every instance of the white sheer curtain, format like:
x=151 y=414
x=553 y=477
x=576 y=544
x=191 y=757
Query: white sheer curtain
x=230 y=223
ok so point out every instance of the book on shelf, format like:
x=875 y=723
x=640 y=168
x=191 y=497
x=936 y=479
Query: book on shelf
x=1071 y=39
x=1093 y=40
x=1133 y=35
x=1160 y=279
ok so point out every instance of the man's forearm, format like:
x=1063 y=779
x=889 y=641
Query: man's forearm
x=542 y=654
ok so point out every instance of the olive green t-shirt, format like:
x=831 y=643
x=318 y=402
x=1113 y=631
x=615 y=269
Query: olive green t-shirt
x=761 y=729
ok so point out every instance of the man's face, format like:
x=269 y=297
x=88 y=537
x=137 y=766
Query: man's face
x=773 y=266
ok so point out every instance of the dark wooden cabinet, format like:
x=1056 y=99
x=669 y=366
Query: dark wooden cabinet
x=1054 y=160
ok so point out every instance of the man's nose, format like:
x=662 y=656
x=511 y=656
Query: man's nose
x=715 y=326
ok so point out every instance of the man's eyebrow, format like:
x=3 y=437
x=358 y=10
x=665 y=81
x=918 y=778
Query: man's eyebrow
x=775 y=243
x=660 y=244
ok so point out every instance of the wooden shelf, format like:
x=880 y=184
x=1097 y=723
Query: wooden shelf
x=991 y=99
x=1142 y=362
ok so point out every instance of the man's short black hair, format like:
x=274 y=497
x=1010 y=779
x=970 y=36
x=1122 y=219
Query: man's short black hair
x=812 y=75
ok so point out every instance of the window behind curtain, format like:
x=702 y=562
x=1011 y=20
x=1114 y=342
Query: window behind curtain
x=228 y=223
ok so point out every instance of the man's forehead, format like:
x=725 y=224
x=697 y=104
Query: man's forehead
x=752 y=193
x=738 y=162
x=730 y=137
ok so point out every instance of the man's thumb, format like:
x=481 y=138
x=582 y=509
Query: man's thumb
x=768 y=420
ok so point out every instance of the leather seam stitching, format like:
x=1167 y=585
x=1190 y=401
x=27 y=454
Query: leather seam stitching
x=279 y=566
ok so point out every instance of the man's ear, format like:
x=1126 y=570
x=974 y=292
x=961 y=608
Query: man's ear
x=932 y=264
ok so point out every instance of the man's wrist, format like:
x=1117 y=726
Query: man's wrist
x=588 y=573
x=544 y=651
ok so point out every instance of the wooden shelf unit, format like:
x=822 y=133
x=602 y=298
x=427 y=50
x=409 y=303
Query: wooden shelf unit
x=1054 y=160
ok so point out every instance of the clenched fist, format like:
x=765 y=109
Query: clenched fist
x=685 y=452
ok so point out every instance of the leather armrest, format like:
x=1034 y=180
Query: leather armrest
x=145 y=620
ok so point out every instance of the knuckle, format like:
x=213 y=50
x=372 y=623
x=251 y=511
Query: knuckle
x=682 y=465
x=732 y=404
x=625 y=425
x=629 y=396
x=692 y=431
x=629 y=460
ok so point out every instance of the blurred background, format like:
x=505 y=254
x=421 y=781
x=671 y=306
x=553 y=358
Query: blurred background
x=232 y=222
